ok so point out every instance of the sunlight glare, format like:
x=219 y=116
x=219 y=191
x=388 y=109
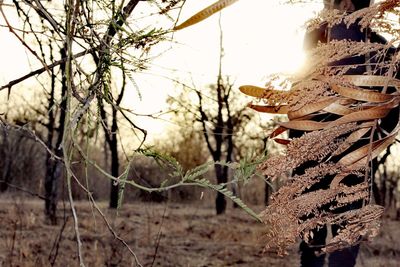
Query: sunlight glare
x=259 y=38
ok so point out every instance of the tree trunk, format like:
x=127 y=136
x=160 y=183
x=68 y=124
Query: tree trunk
x=113 y=143
x=220 y=203
x=5 y=174
x=384 y=188
x=114 y=190
x=376 y=192
x=236 y=193
x=267 y=194
x=222 y=177
x=397 y=214
x=54 y=167
x=53 y=173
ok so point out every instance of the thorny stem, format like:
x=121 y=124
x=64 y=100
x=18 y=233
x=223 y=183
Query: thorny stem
x=104 y=51
x=133 y=183
x=66 y=142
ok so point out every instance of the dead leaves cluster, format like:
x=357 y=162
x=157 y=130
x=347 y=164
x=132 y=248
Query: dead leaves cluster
x=344 y=131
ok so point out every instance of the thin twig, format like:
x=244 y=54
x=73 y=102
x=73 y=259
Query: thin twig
x=33 y=52
x=159 y=235
x=76 y=224
x=33 y=136
x=56 y=244
x=23 y=190
x=116 y=236
x=11 y=254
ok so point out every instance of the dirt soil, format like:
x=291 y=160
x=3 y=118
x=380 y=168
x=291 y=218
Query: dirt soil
x=159 y=235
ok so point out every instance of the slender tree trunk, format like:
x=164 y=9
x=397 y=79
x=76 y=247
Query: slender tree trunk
x=267 y=188
x=375 y=191
x=222 y=177
x=397 y=214
x=391 y=190
x=113 y=144
x=49 y=180
x=114 y=172
x=54 y=167
x=53 y=174
x=11 y=146
x=383 y=190
x=267 y=194
x=6 y=171
x=110 y=135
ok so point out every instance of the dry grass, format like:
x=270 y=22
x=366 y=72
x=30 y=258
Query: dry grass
x=190 y=236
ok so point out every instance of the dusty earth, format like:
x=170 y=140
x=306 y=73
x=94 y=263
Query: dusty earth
x=159 y=234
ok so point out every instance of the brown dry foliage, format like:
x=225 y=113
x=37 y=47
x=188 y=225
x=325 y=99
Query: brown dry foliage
x=342 y=115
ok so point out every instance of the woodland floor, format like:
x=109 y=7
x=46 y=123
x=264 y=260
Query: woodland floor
x=160 y=235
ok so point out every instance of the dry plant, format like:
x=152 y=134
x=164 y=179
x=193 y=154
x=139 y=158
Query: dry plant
x=348 y=119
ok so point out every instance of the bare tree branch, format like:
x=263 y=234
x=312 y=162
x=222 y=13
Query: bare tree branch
x=41 y=70
x=22 y=189
x=10 y=28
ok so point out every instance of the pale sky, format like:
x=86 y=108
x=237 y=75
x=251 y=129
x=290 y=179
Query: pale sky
x=261 y=37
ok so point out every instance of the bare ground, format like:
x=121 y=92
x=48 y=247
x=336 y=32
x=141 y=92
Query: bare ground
x=159 y=234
